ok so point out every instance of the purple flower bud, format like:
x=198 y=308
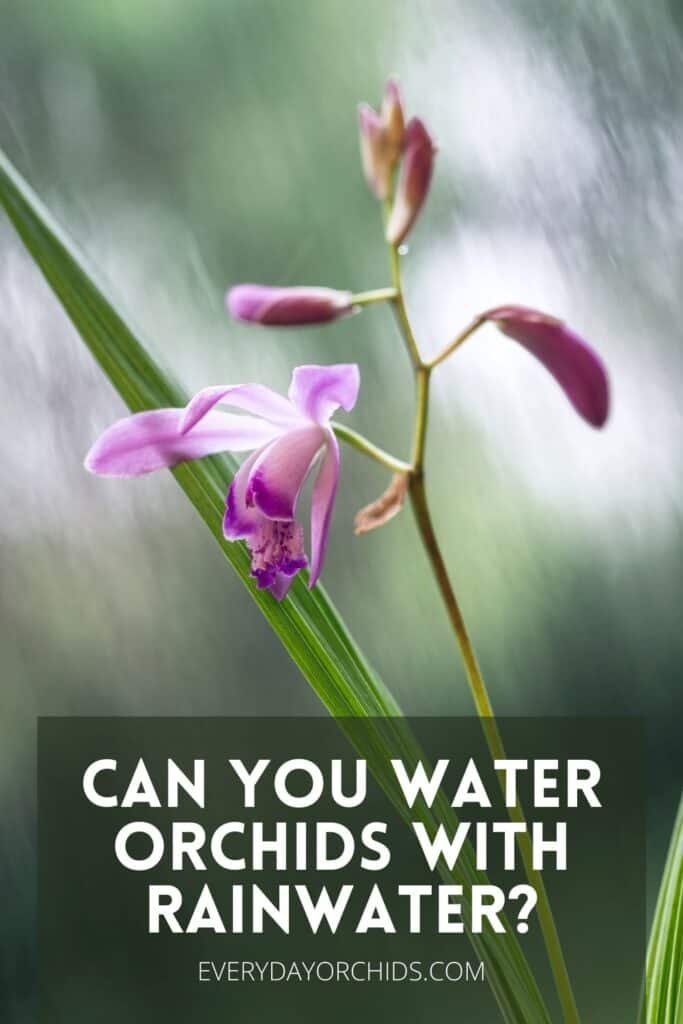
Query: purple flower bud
x=381 y=139
x=287 y=307
x=416 y=174
x=574 y=365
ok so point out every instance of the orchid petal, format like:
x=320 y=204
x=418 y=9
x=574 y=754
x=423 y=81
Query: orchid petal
x=253 y=398
x=153 y=440
x=322 y=506
x=277 y=549
x=318 y=391
x=575 y=366
x=240 y=519
x=280 y=587
x=279 y=473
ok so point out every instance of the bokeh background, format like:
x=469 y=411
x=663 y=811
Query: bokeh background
x=191 y=145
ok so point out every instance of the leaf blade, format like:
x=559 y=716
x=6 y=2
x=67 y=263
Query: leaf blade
x=662 y=1001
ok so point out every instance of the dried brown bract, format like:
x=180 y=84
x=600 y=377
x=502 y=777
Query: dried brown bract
x=384 y=508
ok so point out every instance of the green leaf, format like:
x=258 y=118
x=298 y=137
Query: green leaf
x=307 y=622
x=663 y=988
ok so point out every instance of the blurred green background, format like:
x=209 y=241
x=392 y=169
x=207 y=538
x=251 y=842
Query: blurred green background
x=192 y=145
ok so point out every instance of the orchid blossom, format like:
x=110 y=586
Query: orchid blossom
x=288 y=437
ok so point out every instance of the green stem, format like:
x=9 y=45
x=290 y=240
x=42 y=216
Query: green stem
x=398 y=301
x=356 y=440
x=457 y=342
x=376 y=295
x=494 y=742
x=475 y=678
x=422 y=378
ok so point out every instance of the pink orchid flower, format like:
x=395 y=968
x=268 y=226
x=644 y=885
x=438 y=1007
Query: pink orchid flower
x=287 y=435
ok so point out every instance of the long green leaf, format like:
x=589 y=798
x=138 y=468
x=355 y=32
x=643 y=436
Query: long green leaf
x=663 y=989
x=307 y=622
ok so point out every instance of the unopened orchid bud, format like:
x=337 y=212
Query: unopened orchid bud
x=287 y=307
x=575 y=366
x=392 y=117
x=381 y=140
x=413 y=185
x=375 y=165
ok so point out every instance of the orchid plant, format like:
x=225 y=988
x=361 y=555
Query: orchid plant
x=292 y=435
x=290 y=438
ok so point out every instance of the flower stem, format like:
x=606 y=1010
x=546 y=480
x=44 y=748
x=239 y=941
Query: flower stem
x=494 y=742
x=398 y=301
x=376 y=295
x=356 y=440
x=475 y=678
x=457 y=342
x=401 y=312
x=478 y=687
x=422 y=378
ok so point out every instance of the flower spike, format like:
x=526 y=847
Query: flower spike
x=413 y=186
x=287 y=307
x=575 y=366
x=288 y=435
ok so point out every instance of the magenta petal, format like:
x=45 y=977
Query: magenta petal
x=279 y=588
x=153 y=440
x=575 y=366
x=240 y=519
x=318 y=391
x=279 y=474
x=253 y=398
x=287 y=307
x=322 y=506
x=277 y=549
